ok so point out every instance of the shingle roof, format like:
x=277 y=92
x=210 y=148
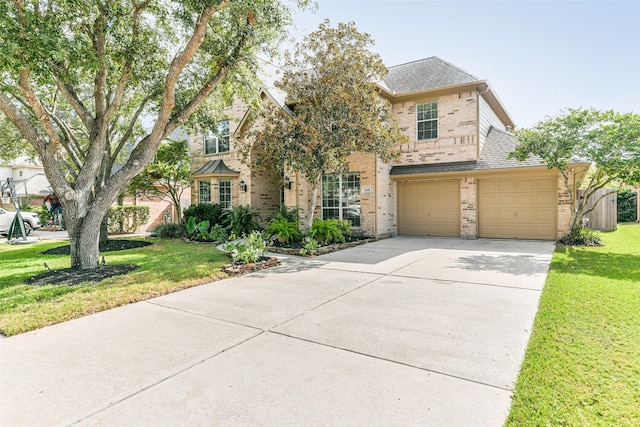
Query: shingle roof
x=497 y=146
x=215 y=167
x=429 y=73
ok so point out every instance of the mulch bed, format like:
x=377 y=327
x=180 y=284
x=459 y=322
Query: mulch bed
x=108 y=246
x=74 y=276
x=295 y=250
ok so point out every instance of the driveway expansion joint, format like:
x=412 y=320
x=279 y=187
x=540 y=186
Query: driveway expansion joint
x=395 y=362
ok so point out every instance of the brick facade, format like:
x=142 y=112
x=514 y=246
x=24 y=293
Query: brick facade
x=464 y=119
x=457 y=130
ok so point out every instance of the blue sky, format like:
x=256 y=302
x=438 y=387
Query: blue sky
x=539 y=56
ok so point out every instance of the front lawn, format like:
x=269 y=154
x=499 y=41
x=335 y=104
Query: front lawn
x=163 y=267
x=582 y=366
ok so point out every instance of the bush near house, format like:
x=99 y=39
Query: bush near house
x=127 y=219
x=627 y=205
x=204 y=212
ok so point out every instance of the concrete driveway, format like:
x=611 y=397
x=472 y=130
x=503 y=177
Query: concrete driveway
x=404 y=331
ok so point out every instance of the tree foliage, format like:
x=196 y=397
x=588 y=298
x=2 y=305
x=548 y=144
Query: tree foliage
x=77 y=75
x=608 y=140
x=12 y=143
x=335 y=109
x=167 y=177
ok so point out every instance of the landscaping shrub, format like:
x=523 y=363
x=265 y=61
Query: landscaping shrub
x=582 y=237
x=127 y=219
x=169 y=231
x=201 y=232
x=310 y=247
x=345 y=227
x=204 y=212
x=291 y=215
x=284 y=230
x=627 y=205
x=248 y=251
x=241 y=221
x=326 y=230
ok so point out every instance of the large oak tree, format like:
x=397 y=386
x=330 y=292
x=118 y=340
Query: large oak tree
x=77 y=76
x=335 y=109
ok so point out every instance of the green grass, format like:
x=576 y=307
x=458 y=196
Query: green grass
x=164 y=267
x=582 y=366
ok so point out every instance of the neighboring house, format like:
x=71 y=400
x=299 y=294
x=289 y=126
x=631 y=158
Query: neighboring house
x=29 y=179
x=161 y=209
x=453 y=177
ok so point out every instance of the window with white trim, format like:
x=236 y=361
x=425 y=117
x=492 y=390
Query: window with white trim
x=204 y=191
x=341 y=197
x=218 y=142
x=224 y=193
x=427 y=120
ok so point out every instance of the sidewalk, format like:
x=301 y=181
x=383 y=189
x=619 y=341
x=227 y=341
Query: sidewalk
x=404 y=331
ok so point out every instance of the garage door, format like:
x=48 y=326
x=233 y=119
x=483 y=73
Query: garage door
x=520 y=208
x=429 y=208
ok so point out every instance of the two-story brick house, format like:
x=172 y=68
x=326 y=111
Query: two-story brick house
x=453 y=177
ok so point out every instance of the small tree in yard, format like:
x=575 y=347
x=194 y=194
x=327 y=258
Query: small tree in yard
x=77 y=75
x=610 y=141
x=167 y=176
x=336 y=109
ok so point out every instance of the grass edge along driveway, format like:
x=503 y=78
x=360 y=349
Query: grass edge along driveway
x=582 y=365
x=168 y=265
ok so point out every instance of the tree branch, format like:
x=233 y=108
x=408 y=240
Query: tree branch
x=73 y=99
x=179 y=118
x=177 y=66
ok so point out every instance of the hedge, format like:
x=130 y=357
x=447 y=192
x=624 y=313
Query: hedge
x=127 y=219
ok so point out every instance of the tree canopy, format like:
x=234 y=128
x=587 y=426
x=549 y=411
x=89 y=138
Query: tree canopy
x=334 y=108
x=609 y=140
x=77 y=76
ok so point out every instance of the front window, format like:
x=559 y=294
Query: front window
x=341 y=197
x=218 y=142
x=204 y=192
x=427 y=120
x=224 y=194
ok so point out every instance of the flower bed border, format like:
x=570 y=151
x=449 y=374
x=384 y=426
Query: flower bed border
x=324 y=249
x=237 y=269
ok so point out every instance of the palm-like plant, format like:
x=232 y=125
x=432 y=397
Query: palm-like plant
x=241 y=221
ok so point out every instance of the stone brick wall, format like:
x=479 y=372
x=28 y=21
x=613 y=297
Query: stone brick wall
x=385 y=201
x=457 y=131
x=468 y=208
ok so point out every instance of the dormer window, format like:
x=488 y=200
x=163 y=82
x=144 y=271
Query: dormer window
x=427 y=120
x=218 y=142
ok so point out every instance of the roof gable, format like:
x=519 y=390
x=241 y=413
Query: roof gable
x=425 y=74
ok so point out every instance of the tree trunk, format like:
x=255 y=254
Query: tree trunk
x=84 y=242
x=308 y=219
x=104 y=232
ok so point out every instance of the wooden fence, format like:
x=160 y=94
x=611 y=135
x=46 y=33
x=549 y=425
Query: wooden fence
x=605 y=215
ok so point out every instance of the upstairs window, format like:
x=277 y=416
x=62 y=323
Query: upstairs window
x=427 y=120
x=218 y=142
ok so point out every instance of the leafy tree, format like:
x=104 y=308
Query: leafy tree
x=12 y=143
x=78 y=74
x=610 y=141
x=335 y=109
x=167 y=176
